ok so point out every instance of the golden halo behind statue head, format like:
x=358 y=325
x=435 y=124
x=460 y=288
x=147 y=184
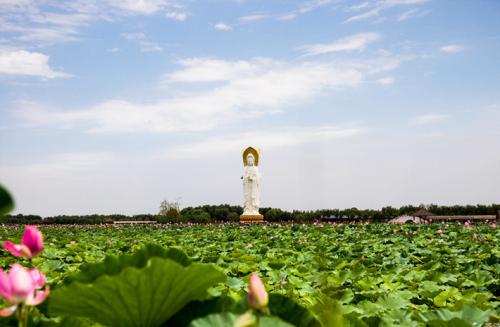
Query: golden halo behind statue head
x=253 y=151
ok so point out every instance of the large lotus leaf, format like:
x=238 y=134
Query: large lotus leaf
x=113 y=265
x=6 y=201
x=290 y=311
x=147 y=296
x=199 y=309
x=229 y=320
x=469 y=316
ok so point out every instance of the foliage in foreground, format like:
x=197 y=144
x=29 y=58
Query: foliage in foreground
x=375 y=275
x=318 y=274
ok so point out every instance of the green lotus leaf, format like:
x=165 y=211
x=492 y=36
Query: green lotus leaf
x=145 y=296
x=469 y=316
x=199 y=309
x=113 y=265
x=229 y=320
x=6 y=201
x=290 y=311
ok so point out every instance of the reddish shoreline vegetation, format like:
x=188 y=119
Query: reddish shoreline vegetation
x=231 y=274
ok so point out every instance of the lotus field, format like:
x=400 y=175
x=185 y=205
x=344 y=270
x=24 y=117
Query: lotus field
x=251 y=275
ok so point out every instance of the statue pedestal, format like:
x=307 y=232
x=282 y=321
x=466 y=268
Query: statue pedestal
x=251 y=219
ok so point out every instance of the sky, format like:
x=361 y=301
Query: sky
x=113 y=106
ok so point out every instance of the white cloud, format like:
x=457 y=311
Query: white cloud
x=359 y=6
x=21 y=62
x=431 y=118
x=210 y=70
x=377 y=7
x=408 y=14
x=351 y=43
x=269 y=139
x=386 y=80
x=144 y=44
x=305 y=7
x=236 y=90
x=250 y=88
x=311 y=5
x=144 y=7
x=368 y=14
x=222 y=27
x=147 y=46
x=412 y=13
x=452 y=48
x=288 y=16
x=135 y=36
x=252 y=18
x=179 y=16
x=391 y=3
x=40 y=23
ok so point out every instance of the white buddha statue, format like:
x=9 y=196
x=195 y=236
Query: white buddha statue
x=251 y=187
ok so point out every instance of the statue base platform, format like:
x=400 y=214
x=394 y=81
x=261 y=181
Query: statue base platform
x=251 y=219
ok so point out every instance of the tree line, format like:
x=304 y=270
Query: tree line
x=171 y=213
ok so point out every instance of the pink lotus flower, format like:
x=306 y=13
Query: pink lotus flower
x=257 y=295
x=440 y=232
x=31 y=244
x=21 y=286
x=474 y=236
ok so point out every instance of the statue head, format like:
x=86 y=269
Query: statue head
x=254 y=154
x=250 y=160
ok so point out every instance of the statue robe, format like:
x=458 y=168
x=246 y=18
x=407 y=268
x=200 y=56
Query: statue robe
x=251 y=190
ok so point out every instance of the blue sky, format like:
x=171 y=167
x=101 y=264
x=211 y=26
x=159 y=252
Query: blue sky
x=111 y=106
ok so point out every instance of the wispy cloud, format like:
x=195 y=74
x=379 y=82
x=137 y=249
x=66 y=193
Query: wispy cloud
x=375 y=8
x=148 y=46
x=135 y=36
x=452 y=48
x=356 y=42
x=359 y=6
x=268 y=139
x=252 y=18
x=178 y=16
x=21 y=62
x=39 y=23
x=368 y=14
x=389 y=80
x=210 y=69
x=222 y=27
x=143 y=7
x=145 y=45
x=413 y=13
x=305 y=7
x=245 y=89
x=431 y=118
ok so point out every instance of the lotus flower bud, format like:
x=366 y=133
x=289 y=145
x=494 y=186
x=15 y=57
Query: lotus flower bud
x=257 y=295
x=31 y=244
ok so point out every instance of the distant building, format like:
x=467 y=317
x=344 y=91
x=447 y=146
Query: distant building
x=426 y=215
x=422 y=213
x=464 y=218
